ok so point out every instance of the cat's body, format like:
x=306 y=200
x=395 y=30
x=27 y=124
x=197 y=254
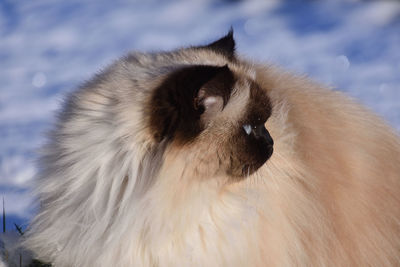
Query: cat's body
x=129 y=180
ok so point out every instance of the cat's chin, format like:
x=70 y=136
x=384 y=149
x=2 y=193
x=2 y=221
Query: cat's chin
x=248 y=169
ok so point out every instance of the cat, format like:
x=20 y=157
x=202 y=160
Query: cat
x=199 y=157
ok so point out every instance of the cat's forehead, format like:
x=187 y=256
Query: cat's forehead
x=248 y=101
x=238 y=100
x=259 y=107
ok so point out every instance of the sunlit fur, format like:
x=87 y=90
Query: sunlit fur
x=110 y=196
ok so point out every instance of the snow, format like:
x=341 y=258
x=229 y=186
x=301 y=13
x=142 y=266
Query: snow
x=49 y=47
x=11 y=251
x=39 y=79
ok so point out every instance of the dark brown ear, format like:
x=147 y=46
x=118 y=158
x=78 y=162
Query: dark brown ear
x=184 y=102
x=213 y=95
x=224 y=46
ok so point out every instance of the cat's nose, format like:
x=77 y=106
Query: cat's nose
x=261 y=133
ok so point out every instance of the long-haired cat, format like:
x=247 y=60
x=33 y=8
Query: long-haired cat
x=198 y=157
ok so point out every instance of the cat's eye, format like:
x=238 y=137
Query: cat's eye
x=247 y=128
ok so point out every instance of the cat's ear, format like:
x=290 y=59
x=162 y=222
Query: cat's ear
x=188 y=99
x=214 y=94
x=224 y=46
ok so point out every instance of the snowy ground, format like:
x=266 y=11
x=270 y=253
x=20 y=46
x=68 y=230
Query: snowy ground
x=48 y=47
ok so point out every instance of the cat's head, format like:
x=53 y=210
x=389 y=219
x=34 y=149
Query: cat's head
x=214 y=114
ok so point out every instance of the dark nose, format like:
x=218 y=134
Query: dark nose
x=262 y=134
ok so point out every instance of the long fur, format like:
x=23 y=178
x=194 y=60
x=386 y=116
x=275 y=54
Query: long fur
x=328 y=196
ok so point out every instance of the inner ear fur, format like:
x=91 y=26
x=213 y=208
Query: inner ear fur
x=186 y=98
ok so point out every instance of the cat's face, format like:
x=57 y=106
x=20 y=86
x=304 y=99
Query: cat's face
x=214 y=114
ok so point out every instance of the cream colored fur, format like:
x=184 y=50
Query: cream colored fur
x=328 y=196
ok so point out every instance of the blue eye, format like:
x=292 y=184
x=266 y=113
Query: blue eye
x=247 y=128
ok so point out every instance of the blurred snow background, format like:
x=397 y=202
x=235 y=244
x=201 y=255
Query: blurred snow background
x=48 y=47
